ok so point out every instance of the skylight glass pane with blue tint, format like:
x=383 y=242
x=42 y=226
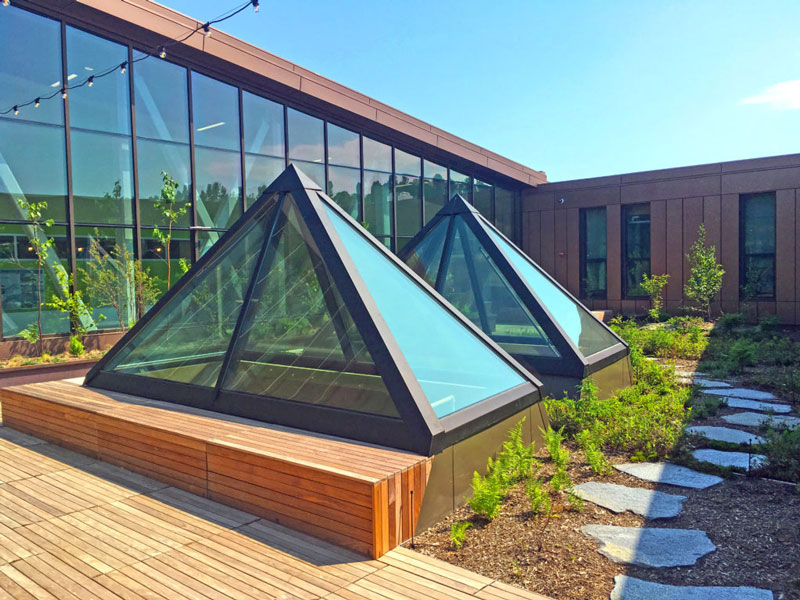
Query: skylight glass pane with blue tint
x=453 y=366
x=586 y=332
x=426 y=258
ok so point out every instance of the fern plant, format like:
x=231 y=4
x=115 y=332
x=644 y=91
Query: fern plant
x=458 y=533
x=487 y=494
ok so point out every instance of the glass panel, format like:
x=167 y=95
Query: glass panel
x=426 y=257
x=215 y=112
x=377 y=156
x=454 y=367
x=434 y=171
x=504 y=211
x=263 y=125
x=306 y=138
x=102 y=178
x=154 y=256
x=759 y=279
x=219 y=179
x=435 y=195
x=206 y=240
x=153 y=158
x=106 y=106
x=162 y=100
x=409 y=205
x=315 y=171
x=105 y=274
x=344 y=187
x=343 y=147
x=593 y=229
x=407 y=164
x=260 y=172
x=298 y=341
x=187 y=339
x=18 y=278
x=378 y=202
x=32 y=167
x=758 y=245
x=31 y=65
x=637 y=248
x=461 y=184
x=482 y=199
x=586 y=332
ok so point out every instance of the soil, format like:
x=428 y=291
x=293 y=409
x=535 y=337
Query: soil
x=753 y=523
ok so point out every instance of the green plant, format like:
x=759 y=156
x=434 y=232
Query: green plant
x=108 y=278
x=538 y=496
x=184 y=266
x=741 y=353
x=575 y=501
x=30 y=334
x=560 y=456
x=458 y=533
x=169 y=207
x=145 y=288
x=705 y=281
x=487 y=494
x=515 y=461
x=595 y=458
x=34 y=212
x=76 y=347
x=654 y=286
x=728 y=322
x=71 y=303
x=783 y=454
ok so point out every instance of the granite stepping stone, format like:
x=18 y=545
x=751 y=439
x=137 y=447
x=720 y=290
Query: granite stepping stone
x=630 y=588
x=741 y=393
x=619 y=498
x=711 y=383
x=649 y=546
x=751 y=419
x=737 y=460
x=726 y=434
x=669 y=474
x=757 y=405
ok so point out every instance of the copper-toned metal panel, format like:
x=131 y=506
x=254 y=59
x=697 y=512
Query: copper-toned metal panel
x=729 y=251
x=673 y=293
x=572 y=248
x=548 y=241
x=533 y=235
x=560 y=255
x=785 y=240
x=692 y=218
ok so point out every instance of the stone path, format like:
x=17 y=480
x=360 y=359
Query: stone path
x=664 y=547
x=630 y=588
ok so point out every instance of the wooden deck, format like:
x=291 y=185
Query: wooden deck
x=362 y=497
x=73 y=528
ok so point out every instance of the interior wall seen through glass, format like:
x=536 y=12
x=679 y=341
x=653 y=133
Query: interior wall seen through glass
x=636 y=251
x=757 y=260
x=593 y=252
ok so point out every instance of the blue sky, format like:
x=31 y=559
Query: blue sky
x=577 y=89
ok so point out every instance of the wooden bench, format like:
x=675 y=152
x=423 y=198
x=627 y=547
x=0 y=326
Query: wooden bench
x=356 y=495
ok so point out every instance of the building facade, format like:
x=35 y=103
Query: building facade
x=597 y=236
x=221 y=118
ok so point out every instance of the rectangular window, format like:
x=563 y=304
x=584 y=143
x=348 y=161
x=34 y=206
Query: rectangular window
x=593 y=252
x=635 y=249
x=757 y=246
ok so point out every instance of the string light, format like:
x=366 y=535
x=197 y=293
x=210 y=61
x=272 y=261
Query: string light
x=160 y=51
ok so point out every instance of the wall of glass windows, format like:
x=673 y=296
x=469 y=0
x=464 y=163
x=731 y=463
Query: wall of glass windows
x=99 y=159
x=757 y=246
x=635 y=249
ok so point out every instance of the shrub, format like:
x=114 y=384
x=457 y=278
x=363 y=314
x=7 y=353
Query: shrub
x=458 y=533
x=515 y=461
x=783 y=454
x=741 y=354
x=538 y=496
x=560 y=456
x=487 y=495
x=705 y=281
x=728 y=322
x=654 y=286
x=76 y=346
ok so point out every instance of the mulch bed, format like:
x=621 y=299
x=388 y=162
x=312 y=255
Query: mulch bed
x=755 y=525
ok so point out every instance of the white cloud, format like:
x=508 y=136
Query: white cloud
x=781 y=96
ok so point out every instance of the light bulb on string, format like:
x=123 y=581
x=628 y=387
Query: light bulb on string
x=6 y=2
x=16 y=110
x=162 y=52
x=255 y=5
x=64 y=93
x=122 y=67
x=207 y=29
x=36 y=103
x=90 y=81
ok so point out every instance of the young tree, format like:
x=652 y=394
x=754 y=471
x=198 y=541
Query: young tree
x=654 y=286
x=108 y=279
x=145 y=288
x=172 y=210
x=705 y=281
x=34 y=212
x=78 y=311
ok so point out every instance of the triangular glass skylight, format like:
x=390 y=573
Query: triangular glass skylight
x=297 y=316
x=506 y=294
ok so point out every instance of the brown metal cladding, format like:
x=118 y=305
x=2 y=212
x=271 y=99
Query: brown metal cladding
x=573 y=251
x=673 y=293
x=729 y=251
x=785 y=241
x=711 y=219
x=548 y=241
x=692 y=218
x=560 y=255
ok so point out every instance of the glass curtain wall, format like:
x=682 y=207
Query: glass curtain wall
x=757 y=246
x=593 y=252
x=222 y=145
x=636 y=249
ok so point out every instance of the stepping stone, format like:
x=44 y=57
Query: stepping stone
x=630 y=588
x=756 y=405
x=649 y=546
x=751 y=419
x=742 y=393
x=670 y=474
x=737 y=460
x=726 y=434
x=619 y=498
x=711 y=383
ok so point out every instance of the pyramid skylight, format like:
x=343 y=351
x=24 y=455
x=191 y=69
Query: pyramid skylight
x=298 y=317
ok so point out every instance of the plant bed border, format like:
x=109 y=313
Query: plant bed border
x=10 y=376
